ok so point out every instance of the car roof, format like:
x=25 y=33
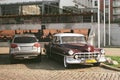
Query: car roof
x=24 y=35
x=68 y=34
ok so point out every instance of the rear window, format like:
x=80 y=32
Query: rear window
x=25 y=40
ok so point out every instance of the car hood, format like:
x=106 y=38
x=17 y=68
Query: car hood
x=77 y=47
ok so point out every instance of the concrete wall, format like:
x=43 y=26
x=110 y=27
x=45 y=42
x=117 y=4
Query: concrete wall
x=115 y=29
x=20 y=26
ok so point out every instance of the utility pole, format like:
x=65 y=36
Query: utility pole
x=104 y=23
x=98 y=23
x=109 y=22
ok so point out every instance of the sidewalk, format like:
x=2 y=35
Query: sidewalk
x=112 y=51
x=4 y=50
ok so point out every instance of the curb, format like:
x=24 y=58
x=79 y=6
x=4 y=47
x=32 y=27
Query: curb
x=109 y=67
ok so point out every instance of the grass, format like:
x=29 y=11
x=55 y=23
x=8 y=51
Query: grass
x=116 y=58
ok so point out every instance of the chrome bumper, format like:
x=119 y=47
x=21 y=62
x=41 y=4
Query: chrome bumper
x=25 y=55
x=72 y=60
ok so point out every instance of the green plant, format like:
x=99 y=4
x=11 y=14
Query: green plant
x=116 y=58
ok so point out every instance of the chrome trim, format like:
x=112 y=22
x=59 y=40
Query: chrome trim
x=87 y=55
x=72 y=60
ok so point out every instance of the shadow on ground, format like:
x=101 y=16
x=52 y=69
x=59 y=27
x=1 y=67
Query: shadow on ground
x=45 y=64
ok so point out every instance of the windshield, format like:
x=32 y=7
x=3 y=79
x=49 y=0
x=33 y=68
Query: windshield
x=73 y=39
x=24 y=40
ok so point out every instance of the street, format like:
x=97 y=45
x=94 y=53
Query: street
x=51 y=70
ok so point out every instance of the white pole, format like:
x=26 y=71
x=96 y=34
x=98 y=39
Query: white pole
x=109 y=23
x=98 y=23
x=104 y=25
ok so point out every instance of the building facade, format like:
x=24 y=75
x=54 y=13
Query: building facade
x=16 y=7
x=116 y=9
x=38 y=7
x=55 y=10
x=93 y=5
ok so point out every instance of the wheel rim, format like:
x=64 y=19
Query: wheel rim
x=65 y=63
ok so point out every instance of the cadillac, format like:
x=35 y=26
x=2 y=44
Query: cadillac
x=72 y=48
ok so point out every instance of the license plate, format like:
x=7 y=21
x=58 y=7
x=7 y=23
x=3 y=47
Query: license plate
x=91 y=61
x=26 y=48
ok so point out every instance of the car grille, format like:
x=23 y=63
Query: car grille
x=87 y=55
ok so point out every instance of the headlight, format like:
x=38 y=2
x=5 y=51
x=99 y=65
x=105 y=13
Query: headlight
x=76 y=56
x=102 y=51
x=70 y=52
x=89 y=49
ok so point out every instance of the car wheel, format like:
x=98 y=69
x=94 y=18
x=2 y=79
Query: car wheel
x=97 y=64
x=66 y=65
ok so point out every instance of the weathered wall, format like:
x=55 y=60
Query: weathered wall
x=20 y=26
x=115 y=29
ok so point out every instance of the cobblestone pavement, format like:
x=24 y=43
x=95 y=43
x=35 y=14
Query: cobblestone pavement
x=52 y=70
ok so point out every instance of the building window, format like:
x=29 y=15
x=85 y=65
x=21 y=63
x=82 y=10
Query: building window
x=107 y=2
x=96 y=3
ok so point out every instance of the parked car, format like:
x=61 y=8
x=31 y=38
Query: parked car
x=24 y=46
x=72 y=48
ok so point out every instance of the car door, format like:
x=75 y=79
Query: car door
x=56 y=51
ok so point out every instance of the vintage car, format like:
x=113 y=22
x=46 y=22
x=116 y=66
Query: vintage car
x=72 y=48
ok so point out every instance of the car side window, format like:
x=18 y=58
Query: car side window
x=53 y=40
x=56 y=40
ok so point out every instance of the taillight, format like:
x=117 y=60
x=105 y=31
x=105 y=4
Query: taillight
x=37 y=45
x=14 y=45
